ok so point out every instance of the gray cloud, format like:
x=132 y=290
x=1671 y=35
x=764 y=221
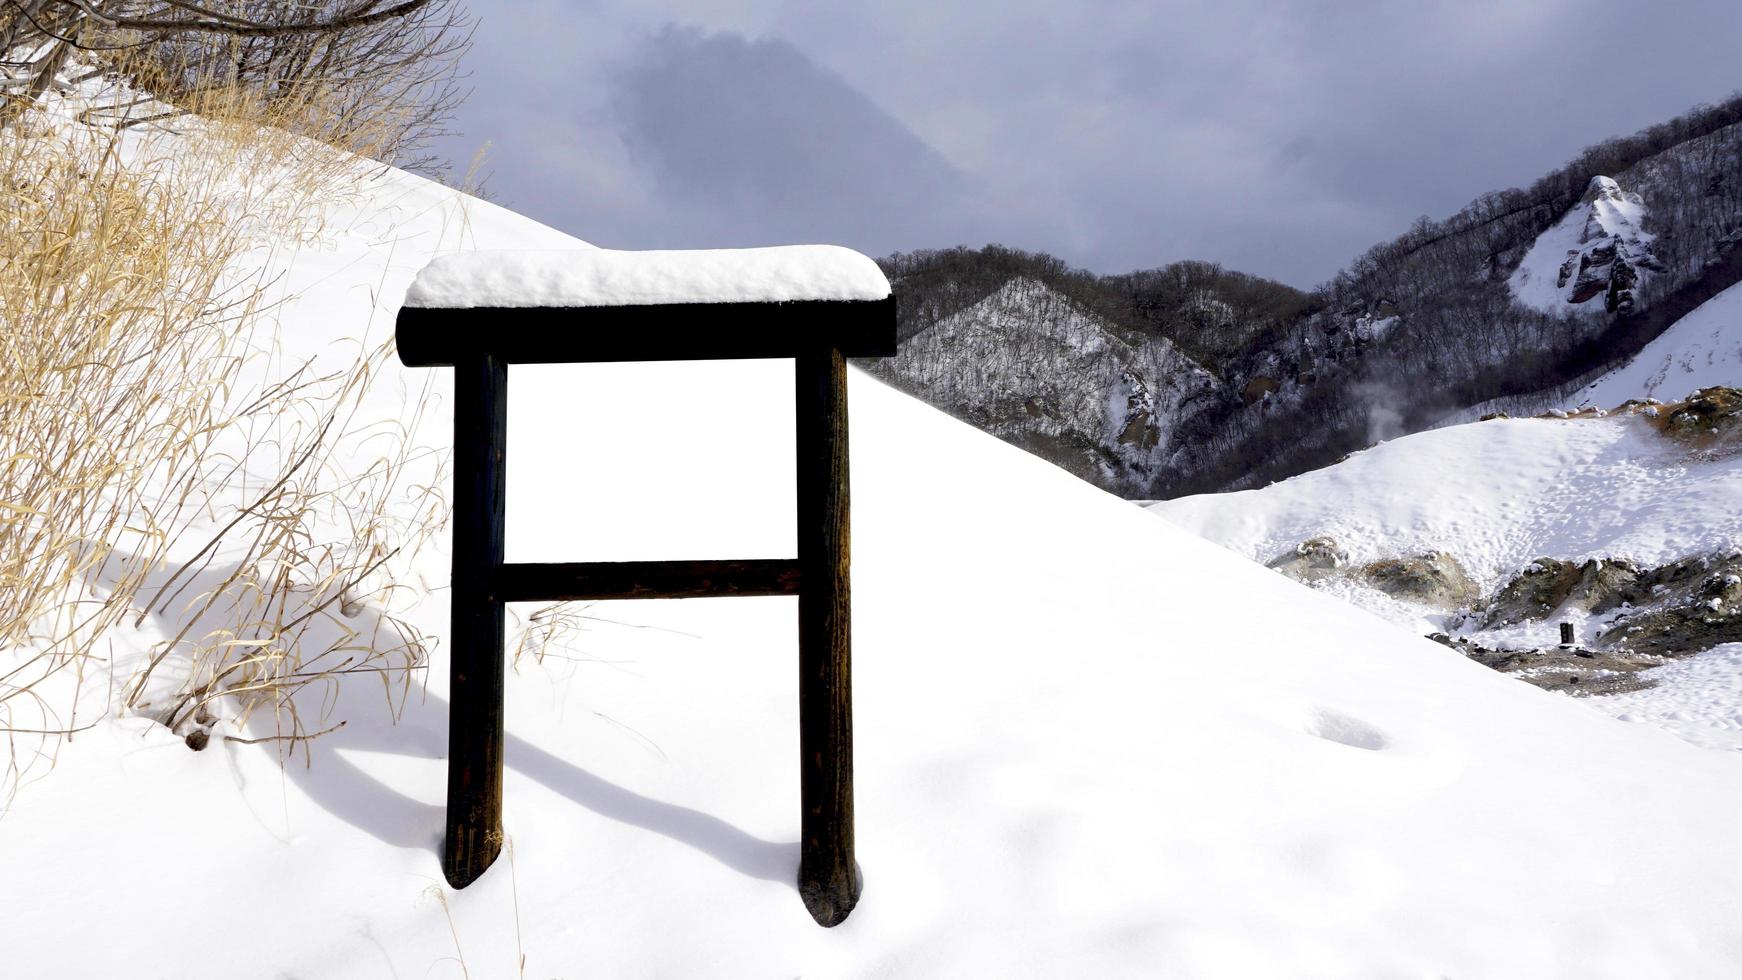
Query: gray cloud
x=1282 y=137
x=762 y=145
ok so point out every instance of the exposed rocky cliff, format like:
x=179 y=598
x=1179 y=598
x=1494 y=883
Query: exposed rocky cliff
x=1600 y=250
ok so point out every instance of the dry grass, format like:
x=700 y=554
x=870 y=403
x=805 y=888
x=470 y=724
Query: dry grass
x=547 y=630
x=144 y=469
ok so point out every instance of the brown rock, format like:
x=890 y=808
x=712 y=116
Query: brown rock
x=1434 y=578
x=1258 y=388
x=1311 y=560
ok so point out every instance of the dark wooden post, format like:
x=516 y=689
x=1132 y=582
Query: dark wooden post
x=474 y=816
x=1567 y=634
x=828 y=876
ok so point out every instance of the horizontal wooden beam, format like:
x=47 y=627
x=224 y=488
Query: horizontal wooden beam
x=572 y=581
x=668 y=332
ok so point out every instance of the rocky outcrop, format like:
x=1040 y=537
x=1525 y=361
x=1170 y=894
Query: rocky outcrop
x=1547 y=586
x=1138 y=428
x=1598 y=250
x=1434 y=578
x=1536 y=592
x=1711 y=415
x=1633 y=617
x=1671 y=610
x=1258 y=389
x=1611 y=251
x=1638 y=618
x=1311 y=560
x=1678 y=609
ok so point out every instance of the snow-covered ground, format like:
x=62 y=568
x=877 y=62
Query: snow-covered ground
x=1699 y=698
x=1497 y=495
x=1700 y=350
x=1089 y=743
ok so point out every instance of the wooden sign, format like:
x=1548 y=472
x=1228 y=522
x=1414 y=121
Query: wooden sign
x=480 y=344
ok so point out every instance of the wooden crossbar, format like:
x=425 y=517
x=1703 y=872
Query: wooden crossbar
x=530 y=582
x=480 y=344
x=675 y=332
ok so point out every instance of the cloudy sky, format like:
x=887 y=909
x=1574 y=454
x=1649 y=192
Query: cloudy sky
x=1280 y=137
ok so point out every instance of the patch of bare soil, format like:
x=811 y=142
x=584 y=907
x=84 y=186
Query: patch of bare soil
x=1570 y=670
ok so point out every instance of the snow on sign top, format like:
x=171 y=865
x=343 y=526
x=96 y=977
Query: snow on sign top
x=603 y=277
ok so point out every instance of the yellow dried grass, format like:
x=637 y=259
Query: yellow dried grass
x=129 y=318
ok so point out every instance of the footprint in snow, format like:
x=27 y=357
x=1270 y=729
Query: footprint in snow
x=1334 y=726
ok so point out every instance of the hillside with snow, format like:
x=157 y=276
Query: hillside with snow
x=1029 y=365
x=1499 y=494
x=1702 y=349
x=1491 y=535
x=1598 y=250
x=1089 y=743
x=1519 y=299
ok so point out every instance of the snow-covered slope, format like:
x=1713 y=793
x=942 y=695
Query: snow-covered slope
x=1702 y=349
x=1497 y=494
x=1089 y=743
x=1599 y=250
x=1031 y=366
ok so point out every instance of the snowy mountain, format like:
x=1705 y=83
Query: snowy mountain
x=1484 y=303
x=1035 y=368
x=1089 y=743
x=1524 y=296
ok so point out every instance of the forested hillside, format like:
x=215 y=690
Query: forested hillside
x=1096 y=373
x=1522 y=291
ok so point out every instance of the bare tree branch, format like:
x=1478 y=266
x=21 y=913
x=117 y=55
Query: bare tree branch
x=378 y=76
x=213 y=22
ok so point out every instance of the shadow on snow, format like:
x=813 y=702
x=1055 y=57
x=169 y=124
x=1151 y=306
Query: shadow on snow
x=351 y=793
